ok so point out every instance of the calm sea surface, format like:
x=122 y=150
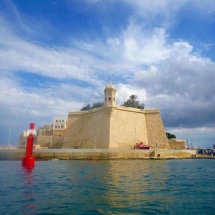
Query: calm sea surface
x=108 y=187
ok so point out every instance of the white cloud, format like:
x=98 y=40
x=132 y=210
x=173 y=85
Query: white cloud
x=113 y=42
x=144 y=46
x=17 y=54
x=163 y=72
x=124 y=91
x=201 y=137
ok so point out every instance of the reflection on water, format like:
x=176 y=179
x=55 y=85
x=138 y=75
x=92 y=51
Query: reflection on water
x=29 y=202
x=108 y=187
x=137 y=183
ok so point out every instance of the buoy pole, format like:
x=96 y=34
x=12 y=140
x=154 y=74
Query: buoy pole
x=28 y=160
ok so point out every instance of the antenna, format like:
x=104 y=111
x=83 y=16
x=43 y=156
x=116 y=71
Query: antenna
x=181 y=129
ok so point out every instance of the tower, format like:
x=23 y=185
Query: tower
x=110 y=95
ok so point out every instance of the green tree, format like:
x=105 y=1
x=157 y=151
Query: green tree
x=133 y=102
x=170 y=136
x=95 y=105
x=87 y=107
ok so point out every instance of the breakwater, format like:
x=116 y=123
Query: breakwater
x=72 y=154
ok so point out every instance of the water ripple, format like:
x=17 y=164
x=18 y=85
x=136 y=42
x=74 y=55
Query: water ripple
x=108 y=187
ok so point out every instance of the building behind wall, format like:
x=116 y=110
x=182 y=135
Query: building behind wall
x=52 y=136
x=177 y=144
x=58 y=127
x=114 y=126
x=44 y=136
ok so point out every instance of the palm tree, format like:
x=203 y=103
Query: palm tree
x=133 y=102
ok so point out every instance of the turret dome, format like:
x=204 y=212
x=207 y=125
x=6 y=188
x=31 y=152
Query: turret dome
x=110 y=86
x=110 y=95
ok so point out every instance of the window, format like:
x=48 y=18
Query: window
x=62 y=120
x=61 y=126
x=59 y=120
x=55 y=126
x=56 y=120
x=109 y=98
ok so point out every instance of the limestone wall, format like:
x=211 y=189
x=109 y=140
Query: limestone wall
x=44 y=141
x=87 y=129
x=114 y=127
x=57 y=142
x=155 y=130
x=128 y=127
x=177 y=143
x=50 y=142
x=58 y=133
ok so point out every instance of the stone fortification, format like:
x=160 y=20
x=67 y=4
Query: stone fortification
x=177 y=144
x=130 y=126
x=44 y=141
x=51 y=138
x=87 y=129
x=52 y=142
x=114 y=126
x=155 y=130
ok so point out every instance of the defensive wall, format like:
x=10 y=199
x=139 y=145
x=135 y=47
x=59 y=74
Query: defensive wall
x=87 y=129
x=107 y=127
x=114 y=127
x=177 y=144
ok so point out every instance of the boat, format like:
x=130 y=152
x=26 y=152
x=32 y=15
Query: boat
x=141 y=145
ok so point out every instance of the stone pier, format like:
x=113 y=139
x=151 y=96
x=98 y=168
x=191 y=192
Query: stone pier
x=99 y=154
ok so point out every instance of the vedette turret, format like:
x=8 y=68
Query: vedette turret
x=110 y=95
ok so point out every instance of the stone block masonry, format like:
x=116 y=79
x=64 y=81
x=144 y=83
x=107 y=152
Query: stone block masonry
x=114 y=127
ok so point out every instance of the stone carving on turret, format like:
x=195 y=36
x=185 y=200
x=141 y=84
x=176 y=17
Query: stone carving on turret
x=110 y=98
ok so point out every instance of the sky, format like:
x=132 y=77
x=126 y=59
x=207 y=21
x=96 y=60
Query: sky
x=57 y=56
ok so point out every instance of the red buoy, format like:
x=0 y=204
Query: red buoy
x=28 y=160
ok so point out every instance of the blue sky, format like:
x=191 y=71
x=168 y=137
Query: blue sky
x=57 y=56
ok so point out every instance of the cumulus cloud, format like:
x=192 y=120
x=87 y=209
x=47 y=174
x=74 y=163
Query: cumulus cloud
x=181 y=88
x=19 y=55
x=144 y=47
x=142 y=59
x=124 y=91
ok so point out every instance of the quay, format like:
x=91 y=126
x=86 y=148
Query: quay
x=98 y=154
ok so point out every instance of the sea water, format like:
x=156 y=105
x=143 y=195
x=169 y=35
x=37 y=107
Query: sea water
x=108 y=187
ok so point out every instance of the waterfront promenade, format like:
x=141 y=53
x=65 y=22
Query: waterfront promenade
x=71 y=154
